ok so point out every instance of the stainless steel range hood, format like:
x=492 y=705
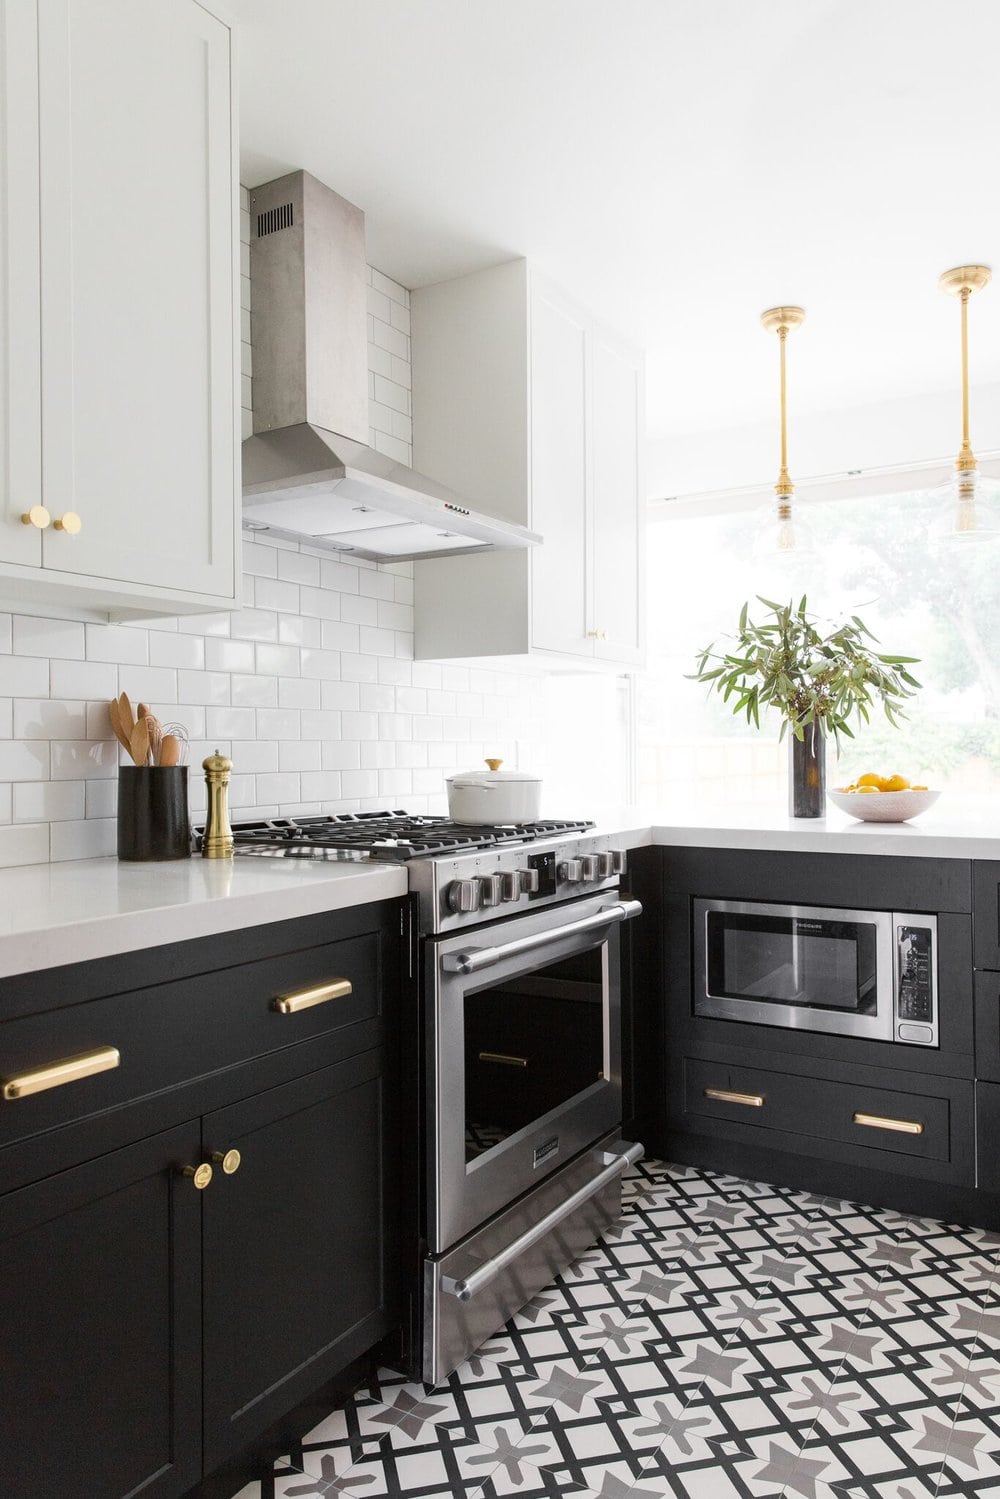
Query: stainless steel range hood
x=308 y=471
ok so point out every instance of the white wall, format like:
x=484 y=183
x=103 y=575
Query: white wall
x=886 y=434
x=310 y=687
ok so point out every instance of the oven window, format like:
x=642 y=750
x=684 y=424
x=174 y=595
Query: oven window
x=793 y=960
x=531 y=1044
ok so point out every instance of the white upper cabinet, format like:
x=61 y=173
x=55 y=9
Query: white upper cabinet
x=524 y=404
x=119 y=173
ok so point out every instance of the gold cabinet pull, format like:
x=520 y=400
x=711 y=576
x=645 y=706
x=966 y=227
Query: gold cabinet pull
x=901 y=1126
x=597 y=634
x=229 y=1160
x=56 y=1074
x=725 y=1095
x=69 y=522
x=199 y=1175
x=504 y=1061
x=319 y=994
x=37 y=516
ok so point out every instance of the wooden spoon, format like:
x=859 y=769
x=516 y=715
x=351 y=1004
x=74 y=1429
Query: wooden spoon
x=139 y=743
x=142 y=711
x=170 y=749
x=115 y=716
x=127 y=717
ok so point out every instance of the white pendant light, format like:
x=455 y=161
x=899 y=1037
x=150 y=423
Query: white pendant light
x=969 y=504
x=781 y=535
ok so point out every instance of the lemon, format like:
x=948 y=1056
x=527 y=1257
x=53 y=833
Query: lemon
x=919 y=788
x=871 y=781
x=871 y=789
x=895 y=783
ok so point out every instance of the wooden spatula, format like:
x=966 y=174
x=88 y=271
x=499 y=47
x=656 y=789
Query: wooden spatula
x=139 y=743
x=170 y=749
x=114 y=714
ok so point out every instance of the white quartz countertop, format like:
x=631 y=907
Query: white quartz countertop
x=51 y=914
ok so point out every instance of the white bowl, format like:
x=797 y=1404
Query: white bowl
x=884 y=806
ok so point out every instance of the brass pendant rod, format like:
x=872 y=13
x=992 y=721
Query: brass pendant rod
x=966 y=459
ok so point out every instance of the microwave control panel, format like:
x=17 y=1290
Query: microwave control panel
x=916 y=1011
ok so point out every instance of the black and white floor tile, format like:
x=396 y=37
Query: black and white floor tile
x=725 y=1340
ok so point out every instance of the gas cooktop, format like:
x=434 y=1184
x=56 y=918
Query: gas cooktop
x=396 y=837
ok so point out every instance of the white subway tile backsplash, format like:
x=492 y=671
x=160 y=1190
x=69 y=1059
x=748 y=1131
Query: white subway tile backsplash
x=359 y=610
x=48 y=637
x=250 y=756
x=358 y=782
x=155 y=685
x=42 y=718
x=277 y=660
x=24 y=760
x=170 y=648
x=322 y=664
x=101 y=799
x=83 y=759
x=204 y=686
x=6 y=634
x=376 y=642
x=294 y=567
x=300 y=692
x=325 y=785
x=117 y=643
x=254 y=624
x=229 y=723
x=358 y=668
x=26 y=844
x=300 y=754
x=341 y=695
x=6 y=717
x=359 y=726
x=273 y=593
x=49 y=801
x=339 y=577
x=336 y=754
x=377 y=697
x=338 y=636
x=254 y=692
x=296 y=629
x=279 y=788
x=90 y=839
x=278 y=723
x=25 y=676
x=229 y=655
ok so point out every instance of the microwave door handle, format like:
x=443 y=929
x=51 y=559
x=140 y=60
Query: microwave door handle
x=471 y=1285
x=474 y=959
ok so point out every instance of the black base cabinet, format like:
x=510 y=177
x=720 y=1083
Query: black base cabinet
x=907 y=1127
x=154 y=1328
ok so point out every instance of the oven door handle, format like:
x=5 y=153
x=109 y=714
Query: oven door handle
x=474 y=959
x=472 y=1284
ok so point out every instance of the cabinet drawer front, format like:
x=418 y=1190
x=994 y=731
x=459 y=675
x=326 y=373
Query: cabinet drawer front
x=176 y=1032
x=852 y=1114
x=986 y=913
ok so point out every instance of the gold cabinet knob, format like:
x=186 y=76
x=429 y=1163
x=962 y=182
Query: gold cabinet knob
x=597 y=634
x=36 y=516
x=229 y=1160
x=200 y=1175
x=70 y=522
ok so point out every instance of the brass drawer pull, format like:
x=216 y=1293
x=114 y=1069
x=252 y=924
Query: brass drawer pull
x=504 y=1061
x=724 y=1095
x=56 y=1074
x=901 y=1126
x=304 y=999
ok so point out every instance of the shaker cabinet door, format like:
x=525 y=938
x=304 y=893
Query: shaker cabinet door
x=295 y=1257
x=20 y=366
x=100 y=1295
x=138 y=292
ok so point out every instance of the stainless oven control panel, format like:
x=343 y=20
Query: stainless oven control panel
x=916 y=1016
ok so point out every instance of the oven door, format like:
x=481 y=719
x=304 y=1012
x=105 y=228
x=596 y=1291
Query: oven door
x=524 y=1050
x=806 y=967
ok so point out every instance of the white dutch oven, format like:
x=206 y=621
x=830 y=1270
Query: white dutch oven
x=494 y=795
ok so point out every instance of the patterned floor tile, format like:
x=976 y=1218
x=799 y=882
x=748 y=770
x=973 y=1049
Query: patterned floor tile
x=726 y=1339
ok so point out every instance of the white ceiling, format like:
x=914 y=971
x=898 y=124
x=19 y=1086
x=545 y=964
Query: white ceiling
x=677 y=166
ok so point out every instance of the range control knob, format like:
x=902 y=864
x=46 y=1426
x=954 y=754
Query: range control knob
x=618 y=861
x=571 y=872
x=464 y=895
x=491 y=886
x=510 y=886
x=605 y=865
x=589 y=862
x=529 y=881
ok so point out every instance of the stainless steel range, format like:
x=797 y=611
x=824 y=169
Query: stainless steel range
x=518 y=962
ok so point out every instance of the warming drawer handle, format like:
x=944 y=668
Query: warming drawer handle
x=474 y=959
x=901 y=1126
x=472 y=1284
x=726 y=1095
x=57 y=1074
x=319 y=994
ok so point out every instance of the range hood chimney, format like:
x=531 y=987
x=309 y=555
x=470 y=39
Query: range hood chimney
x=308 y=472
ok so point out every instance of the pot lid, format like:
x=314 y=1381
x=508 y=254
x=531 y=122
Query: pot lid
x=491 y=776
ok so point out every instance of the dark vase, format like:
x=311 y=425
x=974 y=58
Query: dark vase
x=807 y=772
x=153 y=812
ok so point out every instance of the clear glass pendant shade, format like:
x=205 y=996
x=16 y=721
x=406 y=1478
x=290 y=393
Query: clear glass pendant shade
x=968 y=510
x=781 y=533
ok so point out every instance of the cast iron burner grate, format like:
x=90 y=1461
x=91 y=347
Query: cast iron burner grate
x=393 y=837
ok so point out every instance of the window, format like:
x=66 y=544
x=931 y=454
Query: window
x=872 y=558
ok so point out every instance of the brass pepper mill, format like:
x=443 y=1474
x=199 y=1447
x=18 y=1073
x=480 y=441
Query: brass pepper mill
x=217 y=842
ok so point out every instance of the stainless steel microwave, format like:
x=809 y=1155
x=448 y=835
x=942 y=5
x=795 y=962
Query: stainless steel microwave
x=854 y=973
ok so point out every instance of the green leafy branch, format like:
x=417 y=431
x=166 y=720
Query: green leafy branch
x=786 y=663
